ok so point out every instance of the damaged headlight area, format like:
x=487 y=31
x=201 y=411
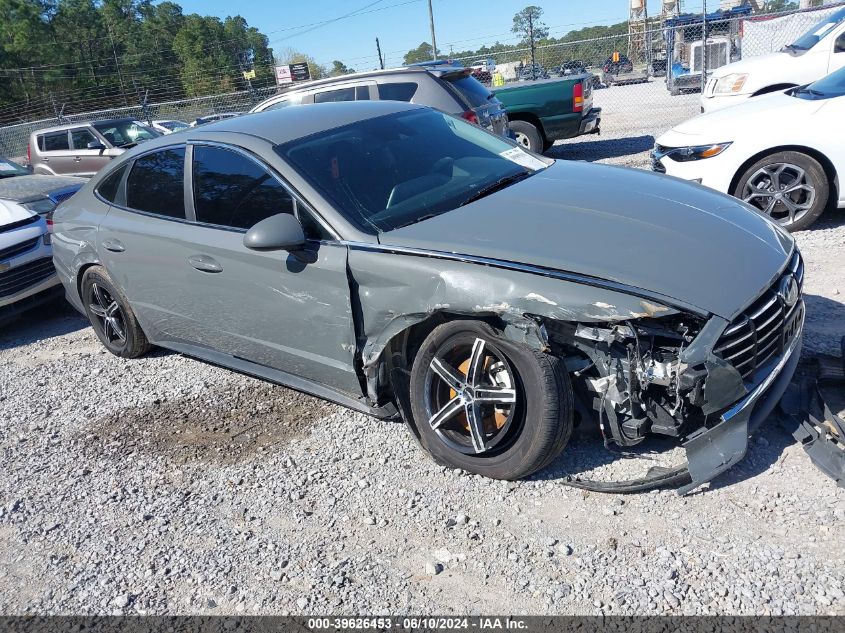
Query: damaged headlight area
x=633 y=376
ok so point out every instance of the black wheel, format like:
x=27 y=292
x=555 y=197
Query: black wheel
x=527 y=135
x=790 y=187
x=487 y=405
x=110 y=315
x=547 y=145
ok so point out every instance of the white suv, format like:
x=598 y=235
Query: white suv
x=817 y=53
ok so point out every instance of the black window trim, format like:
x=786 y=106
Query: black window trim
x=121 y=189
x=55 y=133
x=298 y=200
x=120 y=195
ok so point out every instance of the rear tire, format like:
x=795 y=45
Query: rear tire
x=790 y=187
x=110 y=315
x=527 y=135
x=510 y=439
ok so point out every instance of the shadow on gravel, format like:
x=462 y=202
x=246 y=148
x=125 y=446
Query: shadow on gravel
x=51 y=319
x=223 y=424
x=600 y=150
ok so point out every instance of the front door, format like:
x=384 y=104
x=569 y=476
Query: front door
x=288 y=311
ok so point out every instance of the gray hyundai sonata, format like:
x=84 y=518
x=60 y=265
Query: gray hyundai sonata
x=405 y=263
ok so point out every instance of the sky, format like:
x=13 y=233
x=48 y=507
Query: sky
x=325 y=29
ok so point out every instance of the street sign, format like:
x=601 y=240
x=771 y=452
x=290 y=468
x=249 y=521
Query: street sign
x=249 y=74
x=283 y=75
x=300 y=72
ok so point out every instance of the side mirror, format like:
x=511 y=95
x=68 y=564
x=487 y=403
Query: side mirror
x=96 y=145
x=281 y=232
x=839 y=46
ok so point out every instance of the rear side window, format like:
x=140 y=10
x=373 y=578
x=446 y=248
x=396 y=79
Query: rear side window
x=404 y=91
x=232 y=190
x=329 y=96
x=109 y=187
x=155 y=184
x=471 y=89
x=362 y=93
x=54 y=142
x=81 y=137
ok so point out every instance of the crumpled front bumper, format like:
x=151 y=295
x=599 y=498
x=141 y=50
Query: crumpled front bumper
x=712 y=451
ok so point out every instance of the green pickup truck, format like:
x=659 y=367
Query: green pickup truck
x=542 y=112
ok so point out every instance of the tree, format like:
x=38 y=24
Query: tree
x=527 y=23
x=779 y=6
x=422 y=53
x=339 y=68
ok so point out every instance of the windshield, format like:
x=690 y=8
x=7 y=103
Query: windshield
x=174 y=126
x=125 y=133
x=9 y=169
x=402 y=168
x=825 y=88
x=815 y=34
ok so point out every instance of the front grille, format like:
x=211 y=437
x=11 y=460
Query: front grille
x=18 y=249
x=16 y=225
x=20 y=278
x=765 y=329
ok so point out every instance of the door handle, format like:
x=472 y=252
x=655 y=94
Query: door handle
x=77 y=159
x=205 y=264
x=115 y=246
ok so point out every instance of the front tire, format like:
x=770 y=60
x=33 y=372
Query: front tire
x=527 y=135
x=790 y=187
x=111 y=316
x=487 y=405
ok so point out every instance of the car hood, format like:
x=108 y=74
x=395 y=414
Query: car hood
x=11 y=212
x=35 y=187
x=651 y=232
x=749 y=117
x=765 y=70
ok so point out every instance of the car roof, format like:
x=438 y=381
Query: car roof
x=422 y=68
x=287 y=124
x=67 y=126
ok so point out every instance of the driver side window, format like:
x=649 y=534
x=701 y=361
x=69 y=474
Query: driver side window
x=233 y=191
x=839 y=46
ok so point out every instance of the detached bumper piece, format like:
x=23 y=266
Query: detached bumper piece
x=591 y=123
x=812 y=423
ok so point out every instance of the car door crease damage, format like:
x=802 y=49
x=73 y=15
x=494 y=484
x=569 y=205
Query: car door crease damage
x=593 y=334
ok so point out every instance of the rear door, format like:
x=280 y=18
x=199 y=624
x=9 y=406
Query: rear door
x=55 y=152
x=291 y=312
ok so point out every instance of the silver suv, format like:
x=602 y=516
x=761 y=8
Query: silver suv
x=448 y=88
x=82 y=149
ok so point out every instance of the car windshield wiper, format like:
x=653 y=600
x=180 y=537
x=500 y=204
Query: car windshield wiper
x=501 y=183
x=422 y=218
x=128 y=145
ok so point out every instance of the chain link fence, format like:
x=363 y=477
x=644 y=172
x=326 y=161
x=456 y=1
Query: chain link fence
x=647 y=79
x=14 y=138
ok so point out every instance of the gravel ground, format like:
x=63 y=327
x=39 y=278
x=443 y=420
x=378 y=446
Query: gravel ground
x=169 y=486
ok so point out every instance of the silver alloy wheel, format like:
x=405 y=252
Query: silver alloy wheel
x=108 y=313
x=461 y=404
x=522 y=139
x=782 y=191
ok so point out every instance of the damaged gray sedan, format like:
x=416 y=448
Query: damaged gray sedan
x=407 y=264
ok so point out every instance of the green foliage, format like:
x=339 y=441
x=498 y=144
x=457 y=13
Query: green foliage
x=528 y=26
x=291 y=56
x=779 y=6
x=422 y=53
x=339 y=68
x=96 y=54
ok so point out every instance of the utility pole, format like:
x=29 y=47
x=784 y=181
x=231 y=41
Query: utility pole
x=531 y=39
x=117 y=65
x=703 y=45
x=433 y=39
x=380 y=58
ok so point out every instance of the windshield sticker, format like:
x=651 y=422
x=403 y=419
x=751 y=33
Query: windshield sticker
x=7 y=167
x=521 y=157
x=822 y=31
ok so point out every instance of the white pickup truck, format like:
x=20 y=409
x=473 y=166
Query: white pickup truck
x=817 y=53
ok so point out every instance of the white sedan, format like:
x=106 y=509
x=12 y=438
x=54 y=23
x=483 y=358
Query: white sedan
x=782 y=153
